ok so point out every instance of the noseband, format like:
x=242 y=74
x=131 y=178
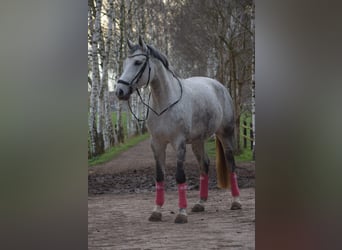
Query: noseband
x=137 y=77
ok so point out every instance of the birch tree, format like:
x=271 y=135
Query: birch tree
x=252 y=11
x=95 y=148
x=108 y=135
x=100 y=54
x=120 y=130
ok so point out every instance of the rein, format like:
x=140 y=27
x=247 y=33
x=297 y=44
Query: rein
x=137 y=78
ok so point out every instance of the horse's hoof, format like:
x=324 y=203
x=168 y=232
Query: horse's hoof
x=181 y=218
x=236 y=205
x=197 y=208
x=155 y=216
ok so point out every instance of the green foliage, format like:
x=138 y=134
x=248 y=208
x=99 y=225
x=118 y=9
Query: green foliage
x=246 y=153
x=210 y=148
x=114 y=151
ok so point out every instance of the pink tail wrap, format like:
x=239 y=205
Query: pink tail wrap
x=204 y=187
x=160 y=193
x=182 y=195
x=234 y=185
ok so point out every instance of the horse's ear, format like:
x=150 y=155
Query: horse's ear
x=142 y=44
x=130 y=44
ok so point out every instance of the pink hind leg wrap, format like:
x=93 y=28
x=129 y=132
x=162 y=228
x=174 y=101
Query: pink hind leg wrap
x=204 y=187
x=234 y=185
x=160 y=193
x=182 y=195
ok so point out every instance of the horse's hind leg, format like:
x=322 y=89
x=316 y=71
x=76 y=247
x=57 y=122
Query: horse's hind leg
x=203 y=161
x=159 y=155
x=227 y=144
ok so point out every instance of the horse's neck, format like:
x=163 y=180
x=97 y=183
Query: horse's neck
x=164 y=88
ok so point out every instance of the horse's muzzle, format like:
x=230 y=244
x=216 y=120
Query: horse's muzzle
x=122 y=94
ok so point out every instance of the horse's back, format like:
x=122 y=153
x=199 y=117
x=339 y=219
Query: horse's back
x=212 y=90
x=211 y=105
x=211 y=87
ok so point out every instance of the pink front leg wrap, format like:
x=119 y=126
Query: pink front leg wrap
x=204 y=187
x=160 y=193
x=182 y=195
x=234 y=185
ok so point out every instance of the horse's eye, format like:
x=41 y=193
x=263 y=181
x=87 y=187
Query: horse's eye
x=137 y=63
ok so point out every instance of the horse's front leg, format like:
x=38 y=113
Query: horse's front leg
x=159 y=156
x=181 y=182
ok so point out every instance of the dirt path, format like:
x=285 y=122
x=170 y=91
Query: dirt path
x=137 y=157
x=121 y=196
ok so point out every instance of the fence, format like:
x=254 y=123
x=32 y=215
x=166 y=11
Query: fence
x=245 y=135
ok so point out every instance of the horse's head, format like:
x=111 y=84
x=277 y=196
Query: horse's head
x=136 y=70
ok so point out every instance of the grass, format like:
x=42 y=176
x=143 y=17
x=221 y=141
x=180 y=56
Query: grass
x=114 y=151
x=246 y=153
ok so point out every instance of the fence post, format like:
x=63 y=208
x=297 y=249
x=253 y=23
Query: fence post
x=251 y=135
x=244 y=134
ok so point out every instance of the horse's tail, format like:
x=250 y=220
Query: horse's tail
x=222 y=169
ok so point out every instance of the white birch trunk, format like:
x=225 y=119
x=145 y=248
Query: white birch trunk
x=108 y=131
x=253 y=76
x=100 y=106
x=94 y=149
x=92 y=104
x=120 y=132
x=121 y=136
x=100 y=116
x=136 y=112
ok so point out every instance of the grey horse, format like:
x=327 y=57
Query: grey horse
x=182 y=111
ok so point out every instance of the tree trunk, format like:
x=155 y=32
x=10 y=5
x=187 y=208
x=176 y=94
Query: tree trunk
x=100 y=118
x=95 y=147
x=145 y=110
x=236 y=100
x=99 y=51
x=108 y=131
x=253 y=76
x=121 y=137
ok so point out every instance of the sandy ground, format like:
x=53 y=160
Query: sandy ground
x=121 y=197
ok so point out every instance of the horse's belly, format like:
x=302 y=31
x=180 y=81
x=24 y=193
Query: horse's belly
x=202 y=131
x=165 y=131
x=205 y=124
x=200 y=125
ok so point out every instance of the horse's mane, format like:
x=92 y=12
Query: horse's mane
x=155 y=53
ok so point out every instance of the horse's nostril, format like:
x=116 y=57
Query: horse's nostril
x=119 y=92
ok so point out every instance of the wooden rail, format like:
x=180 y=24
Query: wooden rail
x=245 y=136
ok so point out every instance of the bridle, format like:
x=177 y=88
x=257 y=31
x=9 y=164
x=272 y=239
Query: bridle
x=139 y=74
x=136 y=79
